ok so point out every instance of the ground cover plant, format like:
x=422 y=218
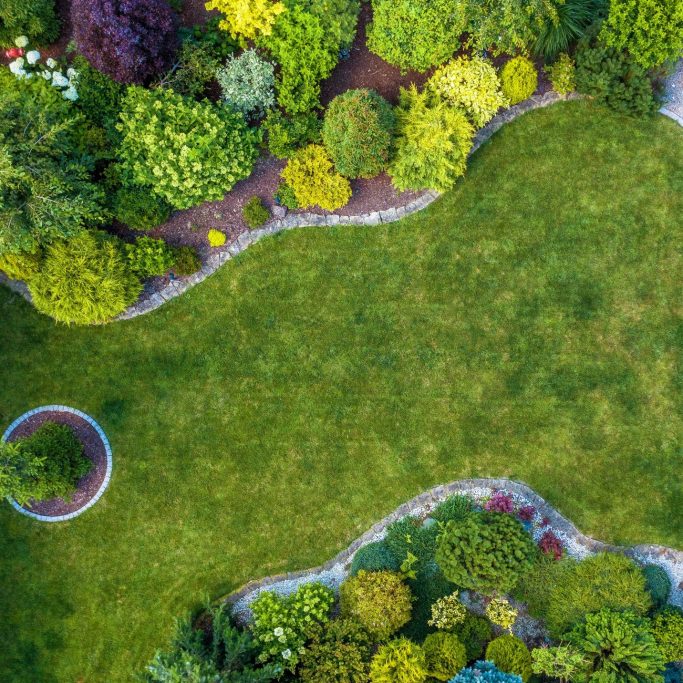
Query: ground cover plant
x=521 y=326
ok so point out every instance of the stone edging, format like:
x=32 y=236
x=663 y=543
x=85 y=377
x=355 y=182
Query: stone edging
x=672 y=115
x=107 y=448
x=334 y=571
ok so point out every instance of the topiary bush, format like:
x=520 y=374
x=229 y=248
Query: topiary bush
x=667 y=629
x=486 y=552
x=148 y=256
x=373 y=557
x=474 y=633
x=358 y=133
x=139 y=209
x=453 y=508
x=287 y=134
x=432 y=143
x=35 y=19
x=415 y=34
x=603 y=580
x=617 y=646
x=132 y=41
x=471 y=85
x=247 y=84
x=562 y=74
x=510 y=655
x=444 y=655
x=484 y=672
x=400 y=661
x=85 y=280
x=255 y=213
x=658 y=584
x=186 y=261
x=379 y=601
x=310 y=175
x=519 y=79
x=188 y=152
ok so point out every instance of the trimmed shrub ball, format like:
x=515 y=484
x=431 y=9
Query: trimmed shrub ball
x=474 y=632
x=519 y=79
x=658 y=584
x=444 y=655
x=130 y=40
x=374 y=557
x=510 y=655
x=484 y=672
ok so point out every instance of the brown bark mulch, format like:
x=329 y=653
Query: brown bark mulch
x=93 y=449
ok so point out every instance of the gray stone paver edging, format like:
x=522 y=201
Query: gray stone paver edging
x=578 y=545
x=107 y=448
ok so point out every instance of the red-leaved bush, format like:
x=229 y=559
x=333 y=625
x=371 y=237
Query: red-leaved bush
x=526 y=513
x=500 y=502
x=129 y=40
x=550 y=544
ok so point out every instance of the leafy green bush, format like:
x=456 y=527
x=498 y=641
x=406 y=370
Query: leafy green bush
x=247 y=19
x=338 y=19
x=484 y=672
x=455 y=508
x=614 y=79
x=409 y=535
x=139 y=209
x=211 y=38
x=282 y=625
x=36 y=19
x=562 y=74
x=428 y=586
x=285 y=197
x=569 y=22
x=358 y=132
x=564 y=662
x=194 y=68
x=254 y=212
x=510 y=655
x=500 y=612
x=604 y=580
x=432 y=143
x=286 y=134
x=340 y=653
x=474 y=633
x=415 y=34
x=658 y=584
x=651 y=31
x=247 y=84
x=444 y=655
x=23 y=265
x=188 y=152
x=618 y=646
x=400 y=661
x=519 y=79
x=186 y=261
x=148 y=257
x=84 y=280
x=469 y=84
x=667 y=629
x=448 y=612
x=373 y=557
x=310 y=174
x=536 y=585
x=486 y=552
x=379 y=601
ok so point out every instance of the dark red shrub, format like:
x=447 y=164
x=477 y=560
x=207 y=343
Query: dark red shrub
x=500 y=502
x=550 y=544
x=526 y=513
x=129 y=40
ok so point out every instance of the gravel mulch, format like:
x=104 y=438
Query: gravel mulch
x=93 y=449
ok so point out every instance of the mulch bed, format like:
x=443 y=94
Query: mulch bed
x=93 y=448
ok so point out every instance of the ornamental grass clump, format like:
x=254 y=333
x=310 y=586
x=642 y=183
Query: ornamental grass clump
x=519 y=79
x=510 y=655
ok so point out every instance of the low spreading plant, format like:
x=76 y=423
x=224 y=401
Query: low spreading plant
x=148 y=256
x=444 y=655
x=551 y=545
x=510 y=655
x=499 y=611
x=526 y=513
x=519 y=79
x=255 y=213
x=500 y=502
x=448 y=612
x=562 y=74
x=400 y=661
x=667 y=629
x=247 y=84
x=137 y=208
x=373 y=557
x=484 y=672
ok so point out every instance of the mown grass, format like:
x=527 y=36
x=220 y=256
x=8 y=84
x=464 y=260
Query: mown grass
x=526 y=325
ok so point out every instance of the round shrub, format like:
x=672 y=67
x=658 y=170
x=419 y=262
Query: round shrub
x=447 y=612
x=484 y=672
x=415 y=34
x=84 y=280
x=374 y=557
x=379 y=601
x=604 y=580
x=519 y=79
x=510 y=655
x=472 y=85
x=486 y=552
x=23 y=265
x=131 y=41
x=453 y=508
x=357 y=132
x=658 y=584
x=444 y=655
x=186 y=261
x=148 y=257
x=35 y=19
x=410 y=535
x=562 y=74
x=139 y=209
x=667 y=628
x=247 y=84
x=216 y=238
x=400 y=661
x=254 y=212
x=474 y=632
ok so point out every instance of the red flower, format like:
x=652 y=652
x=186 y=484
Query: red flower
x=14 y=52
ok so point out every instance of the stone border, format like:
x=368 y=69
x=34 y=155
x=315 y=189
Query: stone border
x=334 y=571
x=107 y=448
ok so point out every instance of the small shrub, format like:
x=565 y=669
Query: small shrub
x=186 y=261
x=453 y=508
x=667 y=629
x=375 y=557
x=526 y=513
x=410 y=535
x=519 y=79
x=35 y=19
x=444 y=655
x=194 y=68
x=486 y=552
x=618 y=646
x=400 y=661
x=510 y=655
x=23 y=265
x=247 y=18
x=139 y=209
x=247 y=84
x=500 y=502
x=448 y=612
x=132 y=42
x=379 y=601
x=84 y=280
x=285 y=197
x=564 y=662
x=550 y=544
x=536 y=585
x=658 y=584
x=484 y=672
x=358 y=132
x=313 y=180
x=472 y=85
x=255 y=213
x=149 y=257
x=499 y=611
x=474 y=633
x=287 y=134
x=216 y=238
x=562 y=74
x=428 y=587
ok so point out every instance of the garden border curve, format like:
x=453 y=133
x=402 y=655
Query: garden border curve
x=107 y=448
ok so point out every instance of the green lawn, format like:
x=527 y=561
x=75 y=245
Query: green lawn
x=526 y=325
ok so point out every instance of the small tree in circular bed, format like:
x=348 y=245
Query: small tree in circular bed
x=358 y=131
x=130 y=40
x=486 y=552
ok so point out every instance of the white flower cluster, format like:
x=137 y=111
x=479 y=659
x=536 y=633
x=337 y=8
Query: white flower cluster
x=28 y=66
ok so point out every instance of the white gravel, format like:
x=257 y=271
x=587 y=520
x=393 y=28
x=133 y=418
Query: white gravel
x=674 y=90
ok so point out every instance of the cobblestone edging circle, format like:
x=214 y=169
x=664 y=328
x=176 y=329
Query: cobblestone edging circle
x=107 y=448
x=578 y=545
